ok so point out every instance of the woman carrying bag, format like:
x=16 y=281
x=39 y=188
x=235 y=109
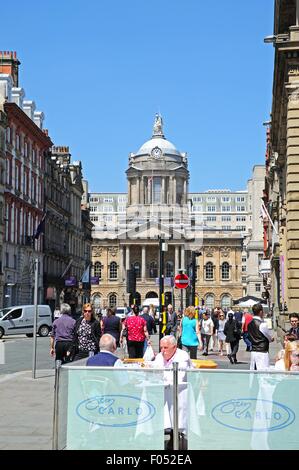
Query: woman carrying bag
x=232 y=333
x=190 y=332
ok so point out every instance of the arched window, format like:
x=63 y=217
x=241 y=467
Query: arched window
x=137 y=268
x=153 y=269
x=97 y=269
x=112 y=300
x=169 y=269
x=151 y=295
x=225 y=271
x=113 y=270
x=209 y=271
x=96 y=300
x=210 y=301
x=226 y=301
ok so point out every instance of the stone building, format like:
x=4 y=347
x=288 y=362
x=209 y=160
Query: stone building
x=282 y=166
x=67 y=231
x=27 y=145
x=3 y=126
x=157 y=204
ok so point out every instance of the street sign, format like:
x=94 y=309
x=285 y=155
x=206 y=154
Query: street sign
x=181 y=281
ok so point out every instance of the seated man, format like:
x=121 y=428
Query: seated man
x=169 y=354
x=106 y=356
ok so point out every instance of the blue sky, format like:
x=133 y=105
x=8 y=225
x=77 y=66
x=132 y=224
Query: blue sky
x=101 y=69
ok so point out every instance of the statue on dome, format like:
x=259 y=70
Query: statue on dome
x=158 y=125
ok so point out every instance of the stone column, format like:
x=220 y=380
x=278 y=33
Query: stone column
x=128 y=266
x=176 y=259
x=121 y=263
x=174 y=190
x=185 y=192
x=170 y=190
x=138 y=190
x=182 y=257
x=142 y=191
x=149 y=185
x=163 y=190
x=143 y=262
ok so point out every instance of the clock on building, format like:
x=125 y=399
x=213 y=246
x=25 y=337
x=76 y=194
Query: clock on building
x=156 y=152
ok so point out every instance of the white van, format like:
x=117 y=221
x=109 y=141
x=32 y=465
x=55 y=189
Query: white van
x=19 y=320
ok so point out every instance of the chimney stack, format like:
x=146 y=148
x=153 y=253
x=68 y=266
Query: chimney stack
x=9 y=64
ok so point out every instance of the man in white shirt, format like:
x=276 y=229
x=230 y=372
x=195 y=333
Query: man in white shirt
x=260 y=337
x=169 y=354
x=206 y=331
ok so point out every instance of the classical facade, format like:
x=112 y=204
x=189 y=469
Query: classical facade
x=68 y=228
x=282 y=166
x=26 y=147
x=128 y=227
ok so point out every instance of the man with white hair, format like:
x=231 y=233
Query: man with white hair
x=106 y=356
x=169 y=354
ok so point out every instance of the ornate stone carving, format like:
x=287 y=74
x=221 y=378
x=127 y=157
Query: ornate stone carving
x=97 y=251
x=294 y=95
x=113 y=250
x=225 y=252
x=209 y=251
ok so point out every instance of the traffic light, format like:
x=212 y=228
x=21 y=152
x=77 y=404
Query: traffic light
x=131 y=281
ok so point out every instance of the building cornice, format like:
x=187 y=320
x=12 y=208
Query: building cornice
x=14 y=111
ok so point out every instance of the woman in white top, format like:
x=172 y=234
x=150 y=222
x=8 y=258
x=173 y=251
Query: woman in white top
x=221 y=335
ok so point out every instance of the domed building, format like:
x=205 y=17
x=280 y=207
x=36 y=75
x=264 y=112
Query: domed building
x=158 y=179
x=157 y=205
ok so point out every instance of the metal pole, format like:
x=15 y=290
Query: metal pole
x=193 y=278
x=35 y=317
x=161 y=286
x=182 y=307
x=175 y=406
x=56 y=403
x=297 y=12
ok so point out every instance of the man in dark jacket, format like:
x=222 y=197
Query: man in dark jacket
x=232 y=333
x=260 y=338
x=294 y=320
x=150 y=322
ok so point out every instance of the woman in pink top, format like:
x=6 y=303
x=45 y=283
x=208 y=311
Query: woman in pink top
x=137 y=332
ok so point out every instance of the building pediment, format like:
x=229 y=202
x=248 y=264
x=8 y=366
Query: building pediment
x=151 y=230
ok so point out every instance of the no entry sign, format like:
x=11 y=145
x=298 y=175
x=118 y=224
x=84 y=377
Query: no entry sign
x=181 y=281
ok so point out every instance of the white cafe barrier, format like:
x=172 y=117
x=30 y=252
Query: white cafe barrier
x=110 y=408
x=243 y=410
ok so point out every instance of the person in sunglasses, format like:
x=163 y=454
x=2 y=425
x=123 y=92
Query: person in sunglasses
x=87 y=334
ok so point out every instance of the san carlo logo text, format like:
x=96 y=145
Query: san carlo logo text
x=253 y=415
x=115 y=410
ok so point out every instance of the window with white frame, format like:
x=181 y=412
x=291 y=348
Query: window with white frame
x=93 y=208
x=241 y=218
x=97 y=269
x=225 y=271
x=108 y=199
x=225 y=199
x=107 y=208
x=153 y=270
x=240 y=199
x=197 y=208
x=226 y=208
x=226 y=227
x=211 y=208
x=244 y=259
x=211 y=218
x=209 y=271
x=226 y=218
x=137 y=268
x=226 y=301
x=257 y=287
x=210 y=301
x=112 y=300
x=211 y=198
x=169 y=269
x=244 y=269
x=241 y=208
x=113 y=270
